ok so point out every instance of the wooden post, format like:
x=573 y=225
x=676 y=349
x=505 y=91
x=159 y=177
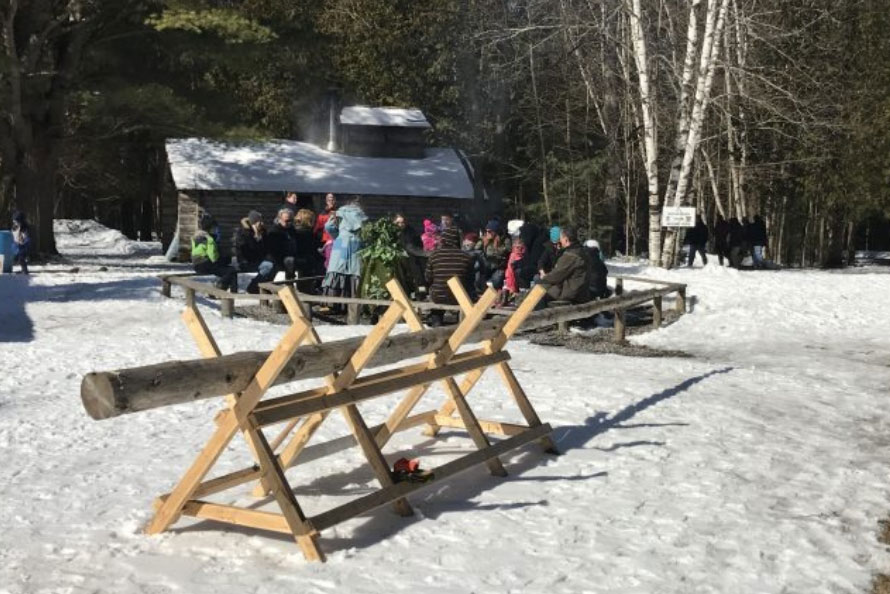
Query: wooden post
x=656 y=312
x=353 y=312
x=165 y=287
x=619 y=286
x=681 y=300
x=227 y=308
x=264 y=302
x=189 y=297
x=620 y=326
x=562 y=327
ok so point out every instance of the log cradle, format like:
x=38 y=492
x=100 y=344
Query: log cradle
x=246 y=377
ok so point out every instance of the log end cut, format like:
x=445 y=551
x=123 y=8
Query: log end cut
x=98 y=396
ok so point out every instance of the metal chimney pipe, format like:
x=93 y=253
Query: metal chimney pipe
x=332 y=120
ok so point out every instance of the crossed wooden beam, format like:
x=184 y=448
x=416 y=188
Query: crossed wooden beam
x=248 y=413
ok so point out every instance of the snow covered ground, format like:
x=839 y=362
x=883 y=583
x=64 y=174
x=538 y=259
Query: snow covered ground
x=760 y=464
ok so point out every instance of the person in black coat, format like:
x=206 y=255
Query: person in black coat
x=599 y=273
x=251 y=252
x=736 y=243
x=697 y=238
x=721 y=239
x=308 y=261
x=282 y=243
x=756 y=232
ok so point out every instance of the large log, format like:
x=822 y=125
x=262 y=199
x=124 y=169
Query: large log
x=107 y=394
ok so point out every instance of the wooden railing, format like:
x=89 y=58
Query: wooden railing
x=560 y=315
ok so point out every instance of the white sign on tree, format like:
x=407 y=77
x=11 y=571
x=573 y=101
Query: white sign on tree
x=678 y=216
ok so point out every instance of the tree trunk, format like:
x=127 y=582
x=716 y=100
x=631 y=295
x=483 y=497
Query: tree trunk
x=714 y=25
x=650 y=144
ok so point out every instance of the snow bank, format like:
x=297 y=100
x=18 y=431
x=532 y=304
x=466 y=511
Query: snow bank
x=88 y=237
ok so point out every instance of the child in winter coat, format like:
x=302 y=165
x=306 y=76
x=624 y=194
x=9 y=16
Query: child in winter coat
x=21 y=240
x=430 y=236
x=205 y=255
x=511 y=279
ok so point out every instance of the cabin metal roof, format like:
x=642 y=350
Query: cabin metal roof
x=361 y=115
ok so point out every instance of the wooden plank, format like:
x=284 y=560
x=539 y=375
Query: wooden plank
x=366 y=381
x=380 y=498
x=273 y=475
x=239 y=516
x=524 y=404
x=471 y=423
x=490 y=427
x=269 y=415
x=374 y=456
x=227 y=307
x=656 y=312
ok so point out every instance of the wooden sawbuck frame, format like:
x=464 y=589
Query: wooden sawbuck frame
x=248 y=413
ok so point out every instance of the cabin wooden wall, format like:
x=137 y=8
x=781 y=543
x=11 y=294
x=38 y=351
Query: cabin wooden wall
x=229 y=207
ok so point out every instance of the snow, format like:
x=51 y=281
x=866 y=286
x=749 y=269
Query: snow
x=759 y=464
x=286 y=165
x=362 y=115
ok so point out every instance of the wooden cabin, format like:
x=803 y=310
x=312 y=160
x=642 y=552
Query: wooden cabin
x=387 y=170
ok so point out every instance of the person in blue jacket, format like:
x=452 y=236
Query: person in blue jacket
x=345 y=266
x=21 y=240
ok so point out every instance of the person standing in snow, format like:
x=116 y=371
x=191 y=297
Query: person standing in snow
x=721 y=239
x=345 y=266
x=21 y=240
x=205 y=255
x=697 y=238
x=756 y=232
x=736 y=243
x=251 y=252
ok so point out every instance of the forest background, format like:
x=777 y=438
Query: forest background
x=595 y=113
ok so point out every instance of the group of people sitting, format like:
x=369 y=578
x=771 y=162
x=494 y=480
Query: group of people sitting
x=327 y=246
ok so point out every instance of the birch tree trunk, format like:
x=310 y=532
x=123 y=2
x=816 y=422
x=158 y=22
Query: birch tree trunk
x=544 y=185
x=650 y=145
x=714 y=24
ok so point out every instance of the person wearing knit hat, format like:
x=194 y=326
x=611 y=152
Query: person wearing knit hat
x=571 y=277
x=550 y=253
x=254 y=217
x=514 y=226
x=430 y=236
x=554 y=234
x=493 y=226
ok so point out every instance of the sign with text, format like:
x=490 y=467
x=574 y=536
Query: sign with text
x=678 y=216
